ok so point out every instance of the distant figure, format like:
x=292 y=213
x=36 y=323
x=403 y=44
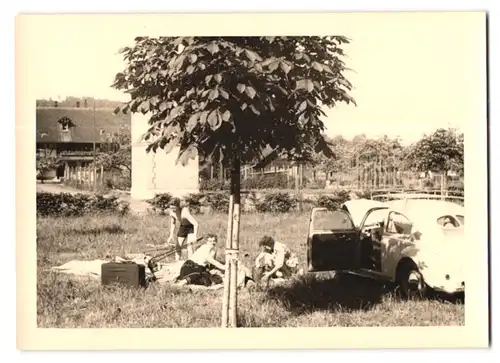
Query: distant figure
x=196 y=269
x=275 y=260
x=188 y=227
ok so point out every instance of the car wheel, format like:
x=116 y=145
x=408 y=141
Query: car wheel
x=410 y=282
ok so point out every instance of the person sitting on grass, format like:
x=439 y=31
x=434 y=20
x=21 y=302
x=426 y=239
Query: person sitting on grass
x=196 y=269
x=275 y=260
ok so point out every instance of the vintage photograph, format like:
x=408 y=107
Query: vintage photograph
x=276 y=180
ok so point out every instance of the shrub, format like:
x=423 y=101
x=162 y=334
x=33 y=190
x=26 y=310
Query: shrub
x=160 y=202
x=218 y=201
x=266 y=181
x=329 y=201
x=195 y=201
x=276 y=202
x=332 y=201
x=72 y=205
x=213 y=185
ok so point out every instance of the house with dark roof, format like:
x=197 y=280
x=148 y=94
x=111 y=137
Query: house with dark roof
x=70 y=133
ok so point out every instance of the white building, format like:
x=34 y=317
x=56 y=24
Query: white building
x=154 y=173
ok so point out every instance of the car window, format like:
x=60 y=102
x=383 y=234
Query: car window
x=331 y=220
x=374 y=217
x=448 y=221
x=398 y=223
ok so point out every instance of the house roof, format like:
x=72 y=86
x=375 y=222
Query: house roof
x=48 y=129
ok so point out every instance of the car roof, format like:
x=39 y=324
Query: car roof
x=426 y=209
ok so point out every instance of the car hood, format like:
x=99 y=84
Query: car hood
x=358 y=208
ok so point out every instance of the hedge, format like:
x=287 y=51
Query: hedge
x=271 y=202
x=74 y=205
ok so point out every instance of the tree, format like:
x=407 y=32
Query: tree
x=117 y=155
x=231 y=97
x=443 y=150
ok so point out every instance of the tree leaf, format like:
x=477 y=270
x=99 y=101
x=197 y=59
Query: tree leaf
x=226 y=116
x=317 y=66
x=208 y=78
x=192 y=58
x=214 y=120
x=250 y=91
x=192 y=122
x=223 y=93
x=241 y=87
x=190 y=69
x=243 y=106
x=251 y=55
x=302 y=106
x=218 y=78
x=327 y=68
x=306 y=84
x=274 y=65
x=254 y=110
x=203 y=117
x=285 y=67
x=213 y=94
x=213 y=48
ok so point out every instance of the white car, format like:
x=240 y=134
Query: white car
x=403 y=241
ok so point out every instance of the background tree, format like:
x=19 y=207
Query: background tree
x=441 y=151
x=230 y=98
x=117 y=153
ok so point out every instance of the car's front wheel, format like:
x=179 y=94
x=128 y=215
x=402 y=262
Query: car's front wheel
x=410 y=282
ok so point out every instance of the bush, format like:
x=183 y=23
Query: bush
x=329 y=201
x=195 y=201
x=335 y=200
x=276 y=202
x=73 y=205
x=160 y=202
x=213 y=185
x=218 y=201
x=266 y=181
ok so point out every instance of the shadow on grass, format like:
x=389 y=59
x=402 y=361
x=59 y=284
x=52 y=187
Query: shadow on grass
x=341 y=292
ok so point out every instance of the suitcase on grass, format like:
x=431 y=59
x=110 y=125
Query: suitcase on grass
x=123 y=273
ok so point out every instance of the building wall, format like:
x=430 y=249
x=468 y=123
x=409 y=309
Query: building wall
x=157 y=173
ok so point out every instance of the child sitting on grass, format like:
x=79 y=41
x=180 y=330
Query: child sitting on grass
x=196 y=269
x=275 y=260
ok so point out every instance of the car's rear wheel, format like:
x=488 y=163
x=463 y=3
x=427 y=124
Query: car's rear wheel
x=410 y=282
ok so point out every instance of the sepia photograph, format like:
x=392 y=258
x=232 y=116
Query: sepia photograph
x=292 y=177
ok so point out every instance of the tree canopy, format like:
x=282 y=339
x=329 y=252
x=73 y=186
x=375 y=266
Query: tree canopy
x=226 y=96
x=443 y=150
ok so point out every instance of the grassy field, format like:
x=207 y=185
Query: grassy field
x=70 y=302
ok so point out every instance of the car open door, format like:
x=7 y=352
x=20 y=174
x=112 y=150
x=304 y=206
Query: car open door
x=333 y=241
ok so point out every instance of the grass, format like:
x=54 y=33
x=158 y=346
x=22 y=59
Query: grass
x=310 y=301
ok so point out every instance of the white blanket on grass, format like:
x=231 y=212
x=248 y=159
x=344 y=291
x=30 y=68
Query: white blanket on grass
x=167 y=272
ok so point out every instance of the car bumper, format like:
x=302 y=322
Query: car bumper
x=450 y=287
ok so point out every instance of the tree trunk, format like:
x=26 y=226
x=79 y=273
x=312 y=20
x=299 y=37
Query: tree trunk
x=227 y=272
x=230 y=313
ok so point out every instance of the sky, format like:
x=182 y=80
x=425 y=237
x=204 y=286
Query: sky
x=412 y=72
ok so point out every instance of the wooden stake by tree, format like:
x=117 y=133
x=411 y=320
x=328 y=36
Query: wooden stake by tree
x=209 y=94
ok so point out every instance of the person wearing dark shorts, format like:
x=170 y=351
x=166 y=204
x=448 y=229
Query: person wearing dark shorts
x=196 y=269
x=188 y=227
